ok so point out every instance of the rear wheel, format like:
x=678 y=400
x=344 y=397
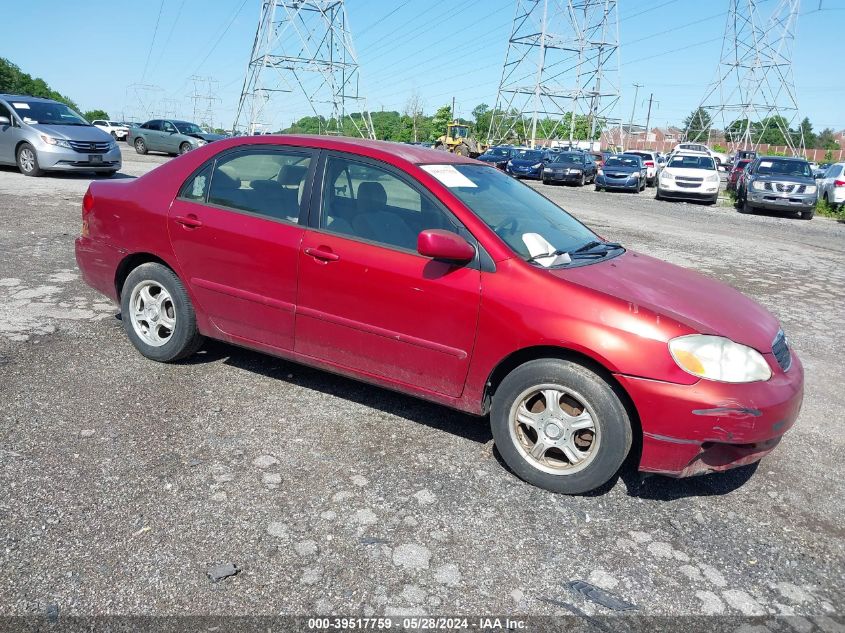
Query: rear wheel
x=28 y=161
x=140 y=146
x=598 y=188
x=560 y=426
x=462 y=150
x=157 y=314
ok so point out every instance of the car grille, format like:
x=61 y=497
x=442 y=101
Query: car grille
x=689 y=179
x=784 y=187
x=780 y=348
x=90 y=147
x=615 y=175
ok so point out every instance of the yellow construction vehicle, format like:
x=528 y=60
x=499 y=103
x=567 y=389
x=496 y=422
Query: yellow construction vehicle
x=458 y=141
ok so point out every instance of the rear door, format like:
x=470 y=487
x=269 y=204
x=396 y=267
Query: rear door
x=8 y=135
x=367 y=300
x=235 y=229
x=151 y=132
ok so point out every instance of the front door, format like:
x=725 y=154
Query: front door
x=367 y=300
x=169 y=138
x=236 y=234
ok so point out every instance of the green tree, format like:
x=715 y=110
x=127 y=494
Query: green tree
x=697 y=124
x=93 y=115
x=773 y=130
x=810 y=137
x=482 y=115
x=827 y=140
x=14 y=81
x=439 y=122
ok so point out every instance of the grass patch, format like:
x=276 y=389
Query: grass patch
x=830 y=211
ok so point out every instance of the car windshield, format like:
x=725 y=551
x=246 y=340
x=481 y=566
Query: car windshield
x=783 y=167
x=47 y=113
x=518 y=214
x=498 y=151
x=569 y=158
x=115 y=123
x=622 y=162
x=692 y=162
x=187 y=128
x=530 y=155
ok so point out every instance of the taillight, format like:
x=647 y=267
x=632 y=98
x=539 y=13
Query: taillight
x=839 y=183
x=87 y=206
x=649 y=163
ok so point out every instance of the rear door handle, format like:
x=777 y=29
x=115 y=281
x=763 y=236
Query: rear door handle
x=326 y=256
x=188 y=221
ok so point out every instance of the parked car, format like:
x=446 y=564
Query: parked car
x=498 y=156
x=622 y=171
x=721 y=159
x=430 y=273
x=689 y=176
x=821 y=170
x=744 y=154
x=40 y=135
x=649 y=161
x=777 y=183
x=526 y=163
x=117 y=130
x=169 y=136
x=576 y=168
x=832 y=185
x=735 y=173
x=598 y=159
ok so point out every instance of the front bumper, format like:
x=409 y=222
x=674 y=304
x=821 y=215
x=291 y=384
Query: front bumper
x=711 y=426
x=781 y=202
x=631 y=183
x=51 y=157
x=563 y=177
x=524 y=173
x=707 y=191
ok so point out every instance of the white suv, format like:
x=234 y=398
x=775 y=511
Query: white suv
x=689 y=176
x=117 y=130
x=722 y=160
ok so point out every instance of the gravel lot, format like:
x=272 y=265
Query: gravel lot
x=123 y=482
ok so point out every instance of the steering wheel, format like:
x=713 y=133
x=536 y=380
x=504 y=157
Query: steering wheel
x=508 y=226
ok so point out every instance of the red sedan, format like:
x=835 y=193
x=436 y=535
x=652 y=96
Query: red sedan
x=443 y=278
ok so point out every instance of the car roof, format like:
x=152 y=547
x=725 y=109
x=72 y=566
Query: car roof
x=9 y=97
x=799 y=159
x=415 y=154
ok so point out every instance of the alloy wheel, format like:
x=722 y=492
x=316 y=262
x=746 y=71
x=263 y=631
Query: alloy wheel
x=27 y=158
x=152 y=313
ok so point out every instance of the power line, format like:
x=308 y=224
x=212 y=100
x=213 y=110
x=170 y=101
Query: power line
x=152 y=41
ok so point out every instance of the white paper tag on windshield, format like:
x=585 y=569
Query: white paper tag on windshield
x=448 y=175
x=766 y=163
x=20 y=106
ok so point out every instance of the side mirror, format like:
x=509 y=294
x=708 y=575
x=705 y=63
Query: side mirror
x=4 y=120
x=440 y=244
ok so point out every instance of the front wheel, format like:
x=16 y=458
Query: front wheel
x=560 y=426
x=583 y=180
x=28 y=161
x=157 y=314
x=807 y=215
x=184 y=148
x=140 y=146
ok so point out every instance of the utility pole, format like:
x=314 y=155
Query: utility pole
x=454 y=116
x=637 y=87
x=648 y=116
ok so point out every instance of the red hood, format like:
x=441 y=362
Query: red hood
x=701 y=303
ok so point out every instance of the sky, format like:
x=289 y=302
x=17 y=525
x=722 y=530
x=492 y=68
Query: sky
x=135 y=58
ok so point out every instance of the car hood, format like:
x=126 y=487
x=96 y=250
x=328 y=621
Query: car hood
x=523 y=162
x=800 y=180
x=208 y=136
x=690 y=298
x=73 y=132
x=565 y=166
x=622 y=169
x=488 y=158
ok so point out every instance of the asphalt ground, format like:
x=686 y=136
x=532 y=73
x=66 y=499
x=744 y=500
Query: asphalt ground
x=124 y=482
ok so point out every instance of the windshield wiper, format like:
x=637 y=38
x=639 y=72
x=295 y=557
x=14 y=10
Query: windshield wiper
x=594 y=244
x=555 y=253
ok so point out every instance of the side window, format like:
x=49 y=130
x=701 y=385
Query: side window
x=98 y=122
x=153 y=125
x=167 y=126
x=196 y=188
x=370 y=203
x=269 y=183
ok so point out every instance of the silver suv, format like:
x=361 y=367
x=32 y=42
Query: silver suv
x=778 y=183
x=41 y=135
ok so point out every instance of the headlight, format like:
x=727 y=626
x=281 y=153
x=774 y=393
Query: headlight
x=574 y=170
x=810 y=189
x=635 y=174
x=59 y=142
x=510 y=163
x=599 y=172
x=665 y=175
x=547 y=171
x=713 y=178
x=718 y=358
x=537 y=166
x=756 y=185
x=201 y=142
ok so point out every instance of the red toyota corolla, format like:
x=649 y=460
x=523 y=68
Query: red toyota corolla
x=443 y=278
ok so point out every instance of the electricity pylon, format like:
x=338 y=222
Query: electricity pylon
x=561 y=70
x=754 y=87
x=204 y=100
x=303 y=50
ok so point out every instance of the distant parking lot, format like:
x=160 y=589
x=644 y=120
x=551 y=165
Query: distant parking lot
x=124 y=482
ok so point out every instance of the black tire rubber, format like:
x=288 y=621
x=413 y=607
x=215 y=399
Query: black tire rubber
x=36 y=170
x=807 y=215
x=545 y=182
x=184 y=148
x=114 y=135
x=657 y=195
x=186 y=339
x=107 y=174
x=744 y=207
x=140 y=145
x=611 y=419
x=598 y=188
x=462 y=150
x=583 y=180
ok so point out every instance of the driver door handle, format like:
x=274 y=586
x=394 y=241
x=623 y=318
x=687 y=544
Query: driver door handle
x=188 y=221
x=318 y=253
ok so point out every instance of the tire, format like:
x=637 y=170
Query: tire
x=642 y=187
x=184 y=148
x=462 y=150
x=598 y=188
x=545 y=182
x=601 y=443
x=807 y=215
x=114 y=136
x=107 y=174
x=140 y=145
x=168 y=303
x=583 y=180
x=27 y=159
x=744 y=207
x=657 y=195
